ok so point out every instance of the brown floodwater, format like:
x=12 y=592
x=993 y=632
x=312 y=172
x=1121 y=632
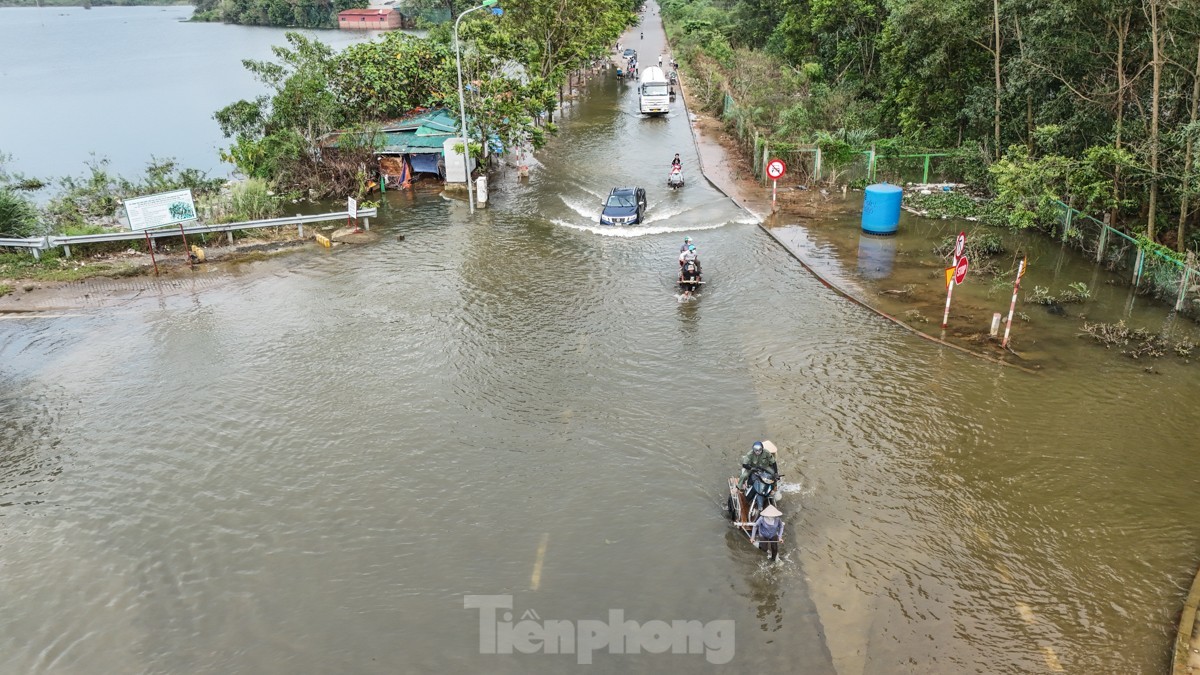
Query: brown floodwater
x=306 y=464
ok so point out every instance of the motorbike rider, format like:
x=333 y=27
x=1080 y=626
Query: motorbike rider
x=686 y=242
x=768 y=529
x=761 y=456
x=690 y=255
x=676 y=161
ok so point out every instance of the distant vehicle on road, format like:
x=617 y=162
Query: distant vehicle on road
x=654 y=92
x=624 y=206
x=629 y=51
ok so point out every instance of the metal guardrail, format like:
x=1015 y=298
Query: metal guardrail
x=30 y=242
x=38 y=244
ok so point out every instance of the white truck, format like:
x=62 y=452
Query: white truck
x=654 y=92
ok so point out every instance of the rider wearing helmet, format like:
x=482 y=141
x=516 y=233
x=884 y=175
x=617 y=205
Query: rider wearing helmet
x=689 y=255
x=686 y=241
x=761 y=456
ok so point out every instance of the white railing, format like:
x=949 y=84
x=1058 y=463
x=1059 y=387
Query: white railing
x=38 y=244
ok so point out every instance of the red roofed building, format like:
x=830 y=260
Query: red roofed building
x=384 y=18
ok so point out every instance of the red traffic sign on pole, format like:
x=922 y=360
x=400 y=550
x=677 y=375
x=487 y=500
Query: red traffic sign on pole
x=775 y=169
x=960 y=270
x=960 y=245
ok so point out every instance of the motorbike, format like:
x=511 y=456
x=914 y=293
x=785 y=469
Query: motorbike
x=761 y=485
x=745 y=504
x=675 y=178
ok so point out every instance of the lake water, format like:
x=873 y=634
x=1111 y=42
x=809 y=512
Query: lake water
x=125 y=83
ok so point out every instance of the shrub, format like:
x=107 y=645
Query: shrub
x=252 y=199
x=18 y=216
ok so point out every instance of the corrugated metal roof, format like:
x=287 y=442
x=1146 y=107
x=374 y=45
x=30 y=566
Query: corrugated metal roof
x=424 y=132
x=427 y=122
x=406 y=141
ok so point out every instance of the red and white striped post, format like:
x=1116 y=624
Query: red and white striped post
x=949 y=292
x=1012 y=305
x=960 y=273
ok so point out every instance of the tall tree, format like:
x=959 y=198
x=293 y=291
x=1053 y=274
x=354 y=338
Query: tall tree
x=1188 y=172
x=1154 y=13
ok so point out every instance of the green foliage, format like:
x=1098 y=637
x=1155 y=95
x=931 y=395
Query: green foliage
x=512 y=67
x=92 y=199
x=384 y=79
x=292 y=13
x=945 y=205
x=980 y=244
x=1155 y=248
x=1027 y=187
x=18 y=215
x=1093 y=179
x=252 y=199
x=1076 y=292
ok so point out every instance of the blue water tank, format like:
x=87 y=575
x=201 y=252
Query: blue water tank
x=881 y=209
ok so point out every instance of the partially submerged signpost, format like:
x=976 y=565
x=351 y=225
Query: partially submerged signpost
x=956 y=274
x=159 y=210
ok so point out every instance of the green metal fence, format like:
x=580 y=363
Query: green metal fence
x=900 y=169
x=806 y=165
x=1150 y=270
x=803 y=162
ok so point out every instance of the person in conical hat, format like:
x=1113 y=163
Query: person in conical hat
x=768 y=530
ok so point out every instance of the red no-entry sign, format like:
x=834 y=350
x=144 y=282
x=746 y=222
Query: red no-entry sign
x=775 y=169
x=960 y=270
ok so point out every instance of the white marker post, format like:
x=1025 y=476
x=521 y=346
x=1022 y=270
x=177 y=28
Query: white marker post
x=352 y=213
x=775 y=170
x=960 y=273
x=1012 y=305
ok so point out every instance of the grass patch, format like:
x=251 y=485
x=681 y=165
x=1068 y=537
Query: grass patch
x=53 y=267
x=5 y=289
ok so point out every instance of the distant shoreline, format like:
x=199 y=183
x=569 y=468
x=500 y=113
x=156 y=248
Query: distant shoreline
x=50 y=4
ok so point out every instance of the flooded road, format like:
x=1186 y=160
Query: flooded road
x=308 y=464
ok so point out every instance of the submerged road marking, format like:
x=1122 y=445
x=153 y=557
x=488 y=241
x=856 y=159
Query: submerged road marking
x=1052 y=661
x=1026 y=613
x=536 y=579
x=1003 y=571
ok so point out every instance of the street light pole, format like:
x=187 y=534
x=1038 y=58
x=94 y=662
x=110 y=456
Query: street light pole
x=462 y=106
